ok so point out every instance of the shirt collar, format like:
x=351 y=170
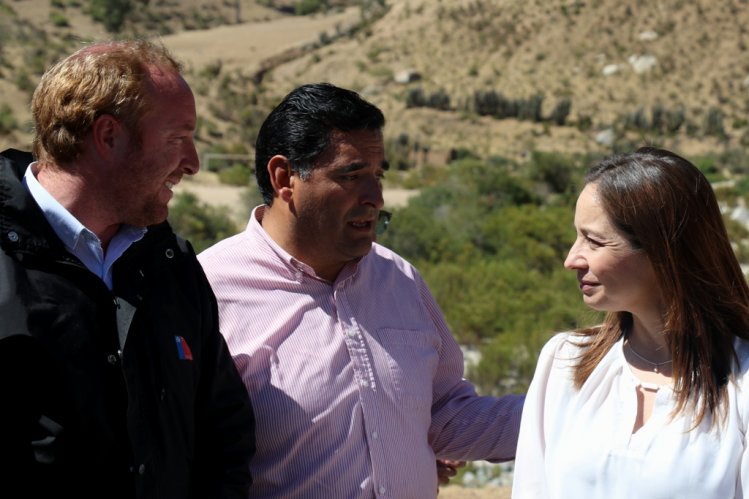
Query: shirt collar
x=79 y=240
x=68 y=228
x=295 y=266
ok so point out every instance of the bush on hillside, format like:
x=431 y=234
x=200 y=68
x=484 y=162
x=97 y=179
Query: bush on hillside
x=111 y=13
x=560 y=112
x=714 y=123
x=199 y=223
x=8 y=121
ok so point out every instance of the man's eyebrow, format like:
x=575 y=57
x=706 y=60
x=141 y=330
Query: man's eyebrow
x=353 y=167
x=359 y=166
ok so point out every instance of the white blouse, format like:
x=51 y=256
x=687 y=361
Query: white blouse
x=578 y=444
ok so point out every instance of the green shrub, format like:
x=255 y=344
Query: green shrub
x=211 y=70
x=530 y=109
x=306 y=7
x=201 y=224
x=557 y=171
x=675 y=120
x=59 y=20
x=491 y=103
x=415 y=97
x=439 y=100
x=714 y=123
x=23 y=81
x=560 y=112
x=237 y=174
x=111 y=13
x=658 y=118
x=709 y=167
x=8 y=122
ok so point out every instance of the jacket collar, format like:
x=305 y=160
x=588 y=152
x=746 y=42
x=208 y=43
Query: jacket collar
x=23 y=227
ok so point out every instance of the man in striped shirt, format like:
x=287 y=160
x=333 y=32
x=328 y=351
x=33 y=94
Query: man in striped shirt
x=356 y=381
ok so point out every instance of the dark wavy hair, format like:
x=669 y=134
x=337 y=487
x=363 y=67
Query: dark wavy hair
x=300 y=127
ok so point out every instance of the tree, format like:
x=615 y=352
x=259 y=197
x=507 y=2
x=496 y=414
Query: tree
x=201 y=224
x=111 y=13
x=561 y=111
x=492 y=252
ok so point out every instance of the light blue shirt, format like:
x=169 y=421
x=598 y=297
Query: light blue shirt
x=79 y=240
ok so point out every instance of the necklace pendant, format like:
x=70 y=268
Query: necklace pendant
x=655 y=369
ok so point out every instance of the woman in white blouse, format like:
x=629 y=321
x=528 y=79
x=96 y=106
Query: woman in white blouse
x=651 y=403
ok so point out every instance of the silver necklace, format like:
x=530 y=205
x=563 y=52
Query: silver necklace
x=656 y=365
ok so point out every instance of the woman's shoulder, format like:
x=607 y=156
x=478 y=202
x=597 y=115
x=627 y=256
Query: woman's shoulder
x=555 y=370
x=561 y=351
x=564 y=345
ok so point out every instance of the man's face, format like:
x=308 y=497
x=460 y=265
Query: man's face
x=336 y=208
x=166 y=152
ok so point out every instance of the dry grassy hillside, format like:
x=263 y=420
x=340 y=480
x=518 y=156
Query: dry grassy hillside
x=581 y=51
x=559 y=49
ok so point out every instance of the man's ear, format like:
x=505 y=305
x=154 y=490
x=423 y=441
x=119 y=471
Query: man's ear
x=106 y=133
x=279 y=169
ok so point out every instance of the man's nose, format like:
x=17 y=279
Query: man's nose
x=372 y=193
x=191 y=163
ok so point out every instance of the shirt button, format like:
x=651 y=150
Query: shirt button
x=141 y=469
x=381 y=490
x=364 y=382
x=375 y=435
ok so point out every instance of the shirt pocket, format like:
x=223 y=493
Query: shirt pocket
x=412 y=358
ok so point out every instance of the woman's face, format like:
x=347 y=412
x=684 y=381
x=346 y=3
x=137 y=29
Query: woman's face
x=613 y=276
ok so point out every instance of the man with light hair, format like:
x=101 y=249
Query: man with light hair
x=114 y=378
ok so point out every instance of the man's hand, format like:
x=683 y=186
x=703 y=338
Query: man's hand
x=446 y=469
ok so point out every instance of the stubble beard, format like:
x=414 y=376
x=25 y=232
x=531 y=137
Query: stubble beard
x=138 y=208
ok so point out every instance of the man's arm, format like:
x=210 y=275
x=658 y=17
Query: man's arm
x=446 y=469
x=466 y=426
x=228 y=434
x=226 y=424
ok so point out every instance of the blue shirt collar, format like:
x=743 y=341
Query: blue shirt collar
x=79 y=240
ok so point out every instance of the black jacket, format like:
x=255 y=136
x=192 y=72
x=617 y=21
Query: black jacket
x=164 y=416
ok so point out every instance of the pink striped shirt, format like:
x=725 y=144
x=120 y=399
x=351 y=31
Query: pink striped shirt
x=356 y=384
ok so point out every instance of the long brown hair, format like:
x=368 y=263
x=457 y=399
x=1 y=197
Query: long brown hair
x=664 y=205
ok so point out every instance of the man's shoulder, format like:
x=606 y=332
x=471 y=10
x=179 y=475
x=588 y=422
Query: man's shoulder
x=386 y=253
x=386 y=256
x=16 y=159
x=17 y=155
x=236 y=247
x=161 y=238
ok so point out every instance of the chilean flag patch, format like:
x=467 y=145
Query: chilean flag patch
x=183 y=349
